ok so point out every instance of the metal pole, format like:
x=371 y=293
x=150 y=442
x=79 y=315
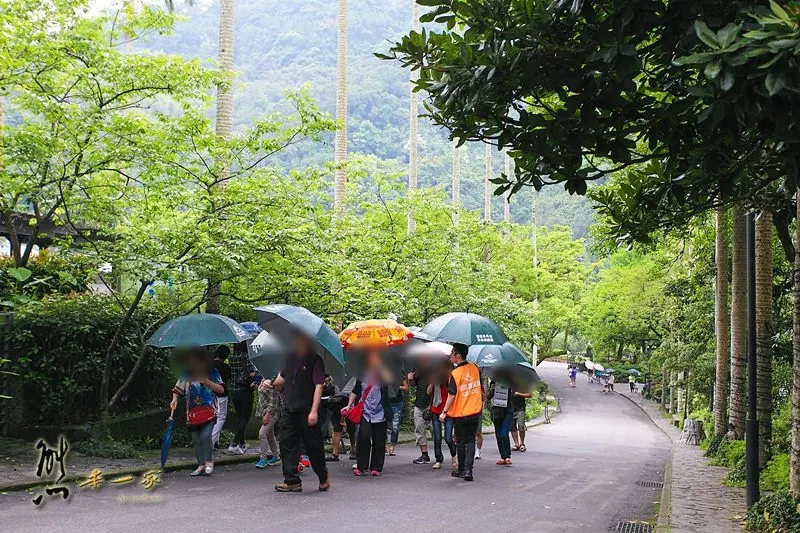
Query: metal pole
x=751 y=427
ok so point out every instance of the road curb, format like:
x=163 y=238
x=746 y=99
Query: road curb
x=665 y=505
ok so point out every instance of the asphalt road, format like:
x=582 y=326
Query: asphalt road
x=580 y=474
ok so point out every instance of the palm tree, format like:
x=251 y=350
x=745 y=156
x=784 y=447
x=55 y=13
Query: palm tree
x=721 y=326
x=456 y=186
x=794 y=449
x=413 y=124
x=764 y=277
x=487 y=187
x=738 y=399
x=340 y=141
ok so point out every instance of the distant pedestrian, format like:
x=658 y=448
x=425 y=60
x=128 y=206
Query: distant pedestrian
x=518 y=428
x=632 y=382
x=340 y=424
x=373 y=392
x=464 y=405
x=243 y=382
x=201 y=385
x=420 y=379
x=301 y=381
x=500 y=399
x=268 y=409
x=573 y=376
x=220 y=355
x=441 y=430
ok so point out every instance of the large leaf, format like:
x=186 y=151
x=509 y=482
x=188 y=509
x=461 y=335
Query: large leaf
x=19 y=273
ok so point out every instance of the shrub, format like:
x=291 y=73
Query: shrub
x=108 y=449
x=776 y=474
x=730 y=452
x=777 y=512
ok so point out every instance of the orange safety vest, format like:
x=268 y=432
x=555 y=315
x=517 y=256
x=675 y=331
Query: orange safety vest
x=469 y=398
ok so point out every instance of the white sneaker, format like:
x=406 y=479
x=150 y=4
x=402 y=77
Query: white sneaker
x=232 y=448
x=209 y=470
x=478 y=453
x=437 y=465
x=241 y=449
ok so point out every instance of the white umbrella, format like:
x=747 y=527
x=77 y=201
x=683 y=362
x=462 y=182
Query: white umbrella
x=435 y=348
x=599 y=367
x=589 y=365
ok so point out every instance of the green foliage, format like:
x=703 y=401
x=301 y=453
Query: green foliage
x=729 y=453
x=776 y=512
x=59 y=346
x=108 y=449
x=44 y=274
x=775 y=476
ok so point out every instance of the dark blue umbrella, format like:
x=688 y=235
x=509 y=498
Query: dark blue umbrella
x=286 y=320
x=167 y=441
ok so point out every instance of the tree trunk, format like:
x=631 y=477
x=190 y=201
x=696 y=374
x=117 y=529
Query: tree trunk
x=794 y=449
x=340 y=141
x=456 y=186
x=487 y=187
x=413 y=124
x=721 y=321
x=738 y=398
x=764 y=334
x=224 y=111
x=664 y=385
x=507 y=195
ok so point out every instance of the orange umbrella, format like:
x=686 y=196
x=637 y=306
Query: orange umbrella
x=374 y=334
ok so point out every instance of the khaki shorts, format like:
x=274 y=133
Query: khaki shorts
x=420 y=427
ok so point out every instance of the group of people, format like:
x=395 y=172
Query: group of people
x=449 y=400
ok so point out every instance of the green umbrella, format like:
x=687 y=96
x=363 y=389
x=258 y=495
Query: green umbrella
x=489 y=355
x=202 y=329
x=285 y=320
x=463 y=328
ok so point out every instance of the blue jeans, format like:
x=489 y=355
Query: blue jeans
x=502 y=425
x=394 y=425
x=438 y=426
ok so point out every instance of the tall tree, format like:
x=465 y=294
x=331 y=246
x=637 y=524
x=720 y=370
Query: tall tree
x=738 y=398
x=764 y=275
x=224 y=112
x=456 y=185
x=721 y=325
x=340 y=141
x=794 y=449
x=487 y=184
x=507 y=194
x=413 y=124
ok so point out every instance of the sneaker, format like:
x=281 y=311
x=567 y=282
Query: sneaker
x=352 y=456
x=240 y=449
x=422 y=459
x=467 y=475
x=199 y=471
x=456 y=473
x=261 y=463
x=232 y=448
x=478 y=453
x=273 y=461
x=375 y=473
x=437 y=465
x=304 y=461
x=284 y=487
x=209 y=470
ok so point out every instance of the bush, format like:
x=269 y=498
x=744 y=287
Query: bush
x=707 y=418
x=777 y=512
x=729 y=453
x=108 y=449
x=58 y=346
x=776 y=474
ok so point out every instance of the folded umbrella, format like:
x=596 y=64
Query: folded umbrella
x=166 y=442
x=463 y=328
x=285 y=321
x=487 y=355
x=202 y=329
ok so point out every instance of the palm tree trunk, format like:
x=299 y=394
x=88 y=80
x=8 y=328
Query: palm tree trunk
x=764 y=276
x=224 y=113
x=721 y=321
x=456 y=192
x=794 y=449
x=340 y=141
x=413 y=124
x=487 y=188
x=738 y=399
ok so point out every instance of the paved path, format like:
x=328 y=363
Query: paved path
x=698 y=500
x=580 y=474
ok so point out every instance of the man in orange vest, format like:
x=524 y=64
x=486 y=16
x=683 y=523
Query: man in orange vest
x=464 y=405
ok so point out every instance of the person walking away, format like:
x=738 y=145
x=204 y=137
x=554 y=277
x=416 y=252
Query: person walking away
x=340 y=423
x=438 y=391
x=373 y=392
x=301 y=382
x=220 y=355
x=396 y=398
x=518 y=428
x=573 y=376
x=611 y=382
x=201 y=387
x=243 y=377
x=422 y=401
x=632 y=382
x=268 y=409
x=500 y=399
x=464 y=404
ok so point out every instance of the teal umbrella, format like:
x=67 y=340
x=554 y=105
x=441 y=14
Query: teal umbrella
x=463 y=328
x=167 y=441
x=489 y=355
x=285 y=320
x=202 y=329
x=521 y=375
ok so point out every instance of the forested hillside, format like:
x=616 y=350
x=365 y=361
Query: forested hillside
x=282 y=46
